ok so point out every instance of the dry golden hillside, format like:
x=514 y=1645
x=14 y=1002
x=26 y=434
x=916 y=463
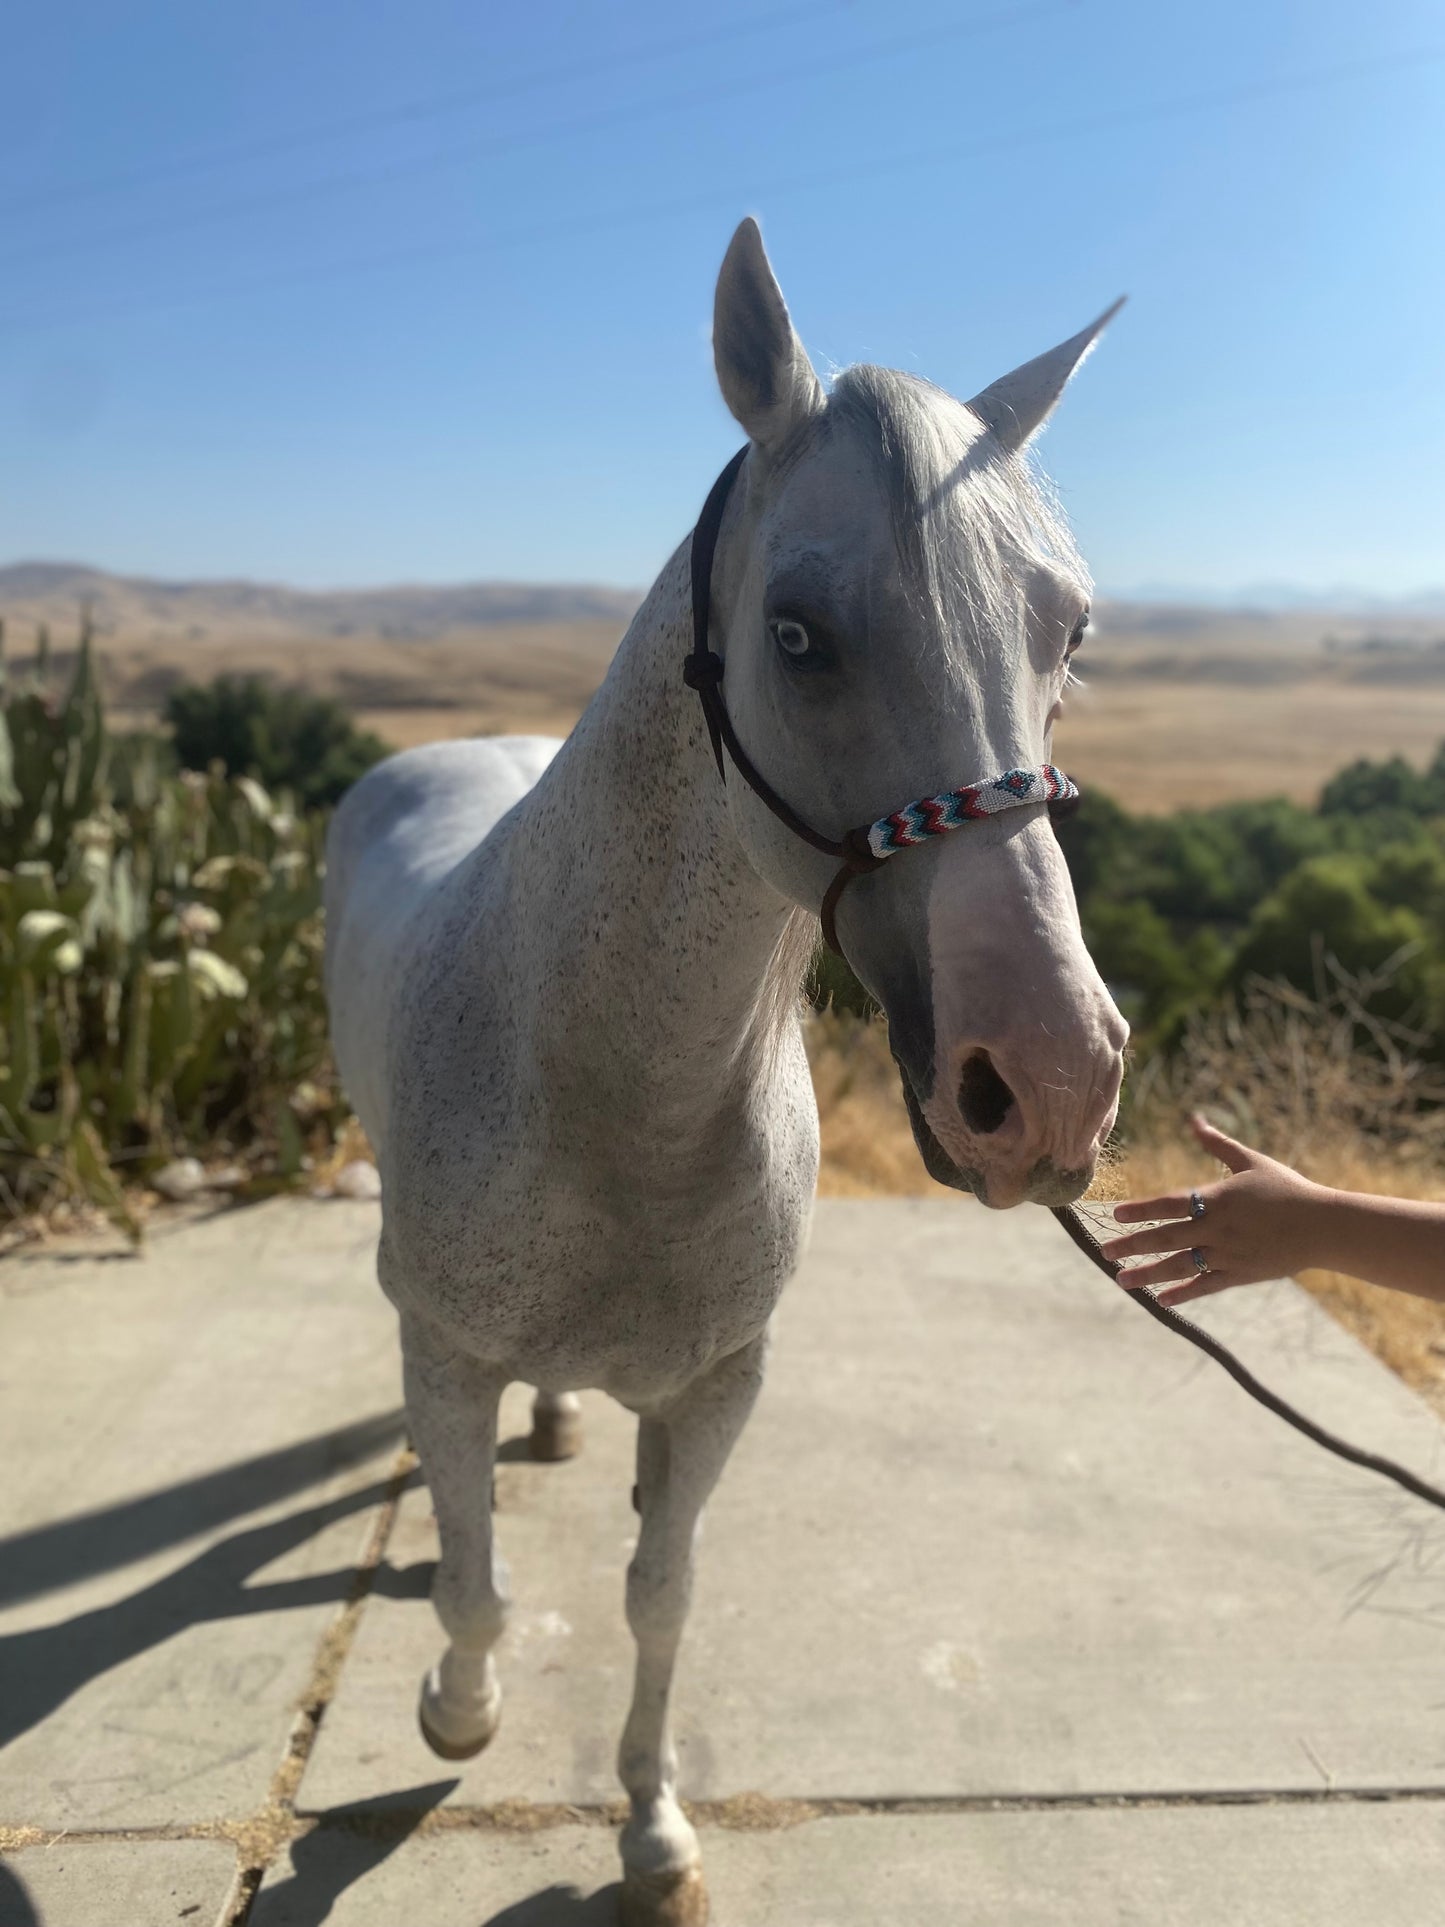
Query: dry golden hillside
x=1179 y=705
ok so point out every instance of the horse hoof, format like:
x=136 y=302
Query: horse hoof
x=451 y=1738
x=663 y=1899
x=556 y=1436
x=451 y=1749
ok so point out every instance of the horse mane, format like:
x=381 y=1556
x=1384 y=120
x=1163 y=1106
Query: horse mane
x=970 y=518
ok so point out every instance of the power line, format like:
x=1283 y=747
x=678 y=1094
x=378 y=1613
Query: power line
x=745 y=194
x=628 y=114
x=431 y=107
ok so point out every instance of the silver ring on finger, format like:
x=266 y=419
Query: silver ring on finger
x=1201 y=1263
x=1196 y=1205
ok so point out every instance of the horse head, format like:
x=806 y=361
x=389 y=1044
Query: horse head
x=898 y=604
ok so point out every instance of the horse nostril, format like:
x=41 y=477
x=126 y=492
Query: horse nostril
x=983 y=1097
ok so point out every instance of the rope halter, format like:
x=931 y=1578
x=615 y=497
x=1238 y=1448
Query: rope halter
x=869 y=846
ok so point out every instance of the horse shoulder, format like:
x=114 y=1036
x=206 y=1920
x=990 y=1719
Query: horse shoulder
x=398 y=836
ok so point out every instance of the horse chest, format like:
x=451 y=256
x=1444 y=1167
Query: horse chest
x=568 y=1277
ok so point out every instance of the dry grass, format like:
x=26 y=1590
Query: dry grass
x=868 y=1148
x=508 y=678
x=1158 y=744
x=1147 y=743
x=351 y=1146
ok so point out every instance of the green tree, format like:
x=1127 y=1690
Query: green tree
x=1411 y=876
x=1327 y=903
x=1096 y=840
x=1365 y=786
x=285 y=738
x=1139 y=958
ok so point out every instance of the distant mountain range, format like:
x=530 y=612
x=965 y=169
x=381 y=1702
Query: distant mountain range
x=143 y=608
x=1288 y=597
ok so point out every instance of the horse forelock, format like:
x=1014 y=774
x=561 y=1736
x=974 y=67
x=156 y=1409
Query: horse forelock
x=973 y=523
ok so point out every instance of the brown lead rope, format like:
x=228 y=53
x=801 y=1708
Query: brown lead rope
x=1175 y=1321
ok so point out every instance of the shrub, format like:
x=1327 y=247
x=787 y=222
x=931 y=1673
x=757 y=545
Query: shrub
x=1147 y=970
x=1311 y=1077
x=1326 y=906
x=282 y=737
x=1391 y=785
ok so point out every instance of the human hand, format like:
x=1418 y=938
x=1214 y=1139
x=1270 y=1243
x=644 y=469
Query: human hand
x=1263 y=1221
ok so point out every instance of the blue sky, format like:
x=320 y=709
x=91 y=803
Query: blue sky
x=354 y=292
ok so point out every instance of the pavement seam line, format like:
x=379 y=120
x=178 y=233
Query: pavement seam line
x=261 y=1838
x=764 y=1813
x=750 y=1813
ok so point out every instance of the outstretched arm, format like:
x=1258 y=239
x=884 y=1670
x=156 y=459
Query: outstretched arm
x=1265 y=1221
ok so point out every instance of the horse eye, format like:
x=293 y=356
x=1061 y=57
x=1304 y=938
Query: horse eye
x=1078 y=632
x=792 y=638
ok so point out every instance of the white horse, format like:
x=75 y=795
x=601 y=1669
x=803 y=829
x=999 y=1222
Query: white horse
x=565 y=979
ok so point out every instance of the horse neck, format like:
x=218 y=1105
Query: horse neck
x=676 y=970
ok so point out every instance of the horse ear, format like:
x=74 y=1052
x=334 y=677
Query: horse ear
x=763 y=369
x=1017 y=406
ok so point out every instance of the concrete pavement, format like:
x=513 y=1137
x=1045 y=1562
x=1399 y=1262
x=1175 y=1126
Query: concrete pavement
x=1011 y=1610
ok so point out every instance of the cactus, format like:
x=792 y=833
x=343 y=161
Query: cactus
x=160 y=960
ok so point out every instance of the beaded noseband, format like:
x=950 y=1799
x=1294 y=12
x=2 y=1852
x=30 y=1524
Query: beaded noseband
x=869 y=846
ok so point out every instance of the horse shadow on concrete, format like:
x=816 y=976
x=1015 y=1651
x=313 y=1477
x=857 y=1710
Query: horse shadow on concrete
x=50 y=1556
x=43 y=1666
x=349 y=1843
x=562 y=1907
x=17 y=1909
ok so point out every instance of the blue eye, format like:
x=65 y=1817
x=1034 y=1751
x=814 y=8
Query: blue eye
x=792 y=638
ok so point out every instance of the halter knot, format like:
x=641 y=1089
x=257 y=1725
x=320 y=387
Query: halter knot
x=859 y=856
x=703 y=669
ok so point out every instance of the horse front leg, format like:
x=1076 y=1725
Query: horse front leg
x=680 y=1456
x=451 y=1402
